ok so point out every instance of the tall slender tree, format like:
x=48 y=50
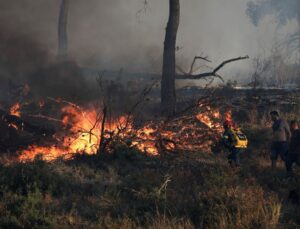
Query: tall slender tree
x=168 y=95
x=168 y=92
x=63 y=29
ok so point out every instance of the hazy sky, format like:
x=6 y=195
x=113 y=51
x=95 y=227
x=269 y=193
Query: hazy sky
x=109 y=34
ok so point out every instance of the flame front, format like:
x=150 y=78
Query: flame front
x=81 y=133
x=84 y=128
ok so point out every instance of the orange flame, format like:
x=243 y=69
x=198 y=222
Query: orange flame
x=13 y=126
x=15 y=110
x=81 y=133
x=83 y=136
x=228 y=116
x=210 y=118
x=41 y=103
x=205 y=119
x=83 y=130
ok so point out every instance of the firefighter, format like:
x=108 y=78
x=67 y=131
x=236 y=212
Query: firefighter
x=235 y=141
x=293 y=155
x=281 y=136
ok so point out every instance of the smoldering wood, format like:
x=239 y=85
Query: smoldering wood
x=17 y=133
x=25 y=125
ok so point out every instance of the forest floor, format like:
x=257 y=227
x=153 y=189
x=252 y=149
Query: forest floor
x=130 y=190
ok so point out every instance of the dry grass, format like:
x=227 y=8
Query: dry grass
x=187 y=191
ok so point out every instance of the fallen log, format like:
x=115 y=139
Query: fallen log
x=21 y=125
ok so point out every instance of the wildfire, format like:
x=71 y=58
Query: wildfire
x=147 y=140
x=81 y=133
x=85 y=130
x=47 y=153
x=15 y=110
x=211 y=119
x=228 y=117
x=205 y=119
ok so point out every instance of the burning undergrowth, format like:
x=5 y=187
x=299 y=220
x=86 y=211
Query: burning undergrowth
x=90 y=130
x=39 y=116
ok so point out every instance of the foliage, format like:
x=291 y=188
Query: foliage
x=129 y=190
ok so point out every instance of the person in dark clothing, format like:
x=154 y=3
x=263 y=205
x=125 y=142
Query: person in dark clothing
x=281 y=137
x=293 y=155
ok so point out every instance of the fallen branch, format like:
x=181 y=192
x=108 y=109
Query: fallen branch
x=64 y=101
x=24 y=125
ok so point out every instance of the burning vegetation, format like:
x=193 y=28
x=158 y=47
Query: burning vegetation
x=15 y=110
x=82 y=146
x=79 y=131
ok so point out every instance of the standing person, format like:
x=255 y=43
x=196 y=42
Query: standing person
x=280 y=139
x=235 y=141
x=293 y=155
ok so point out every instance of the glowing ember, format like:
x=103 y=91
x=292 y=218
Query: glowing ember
x=15 y=110
x=41 y=103
x=13 y=126
x=205 y=119
x=147 y=140
x=217 y=114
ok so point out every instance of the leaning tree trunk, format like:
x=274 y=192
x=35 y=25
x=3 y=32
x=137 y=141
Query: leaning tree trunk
x=62 y=29
x=168 y=95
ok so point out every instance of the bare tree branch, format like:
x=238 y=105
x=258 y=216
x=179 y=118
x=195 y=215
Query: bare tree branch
x=143 y=10
x=194 y=61
x=213 y=73
x=191 y=71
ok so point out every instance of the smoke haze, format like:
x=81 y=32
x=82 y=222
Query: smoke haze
x=111 y=34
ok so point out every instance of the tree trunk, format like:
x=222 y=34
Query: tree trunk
x=168 y=95
x=102 y=140
x=62 y=29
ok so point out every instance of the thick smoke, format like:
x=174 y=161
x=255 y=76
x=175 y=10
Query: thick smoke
x=108 y=34
x=284 y=12
x=25 y=64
